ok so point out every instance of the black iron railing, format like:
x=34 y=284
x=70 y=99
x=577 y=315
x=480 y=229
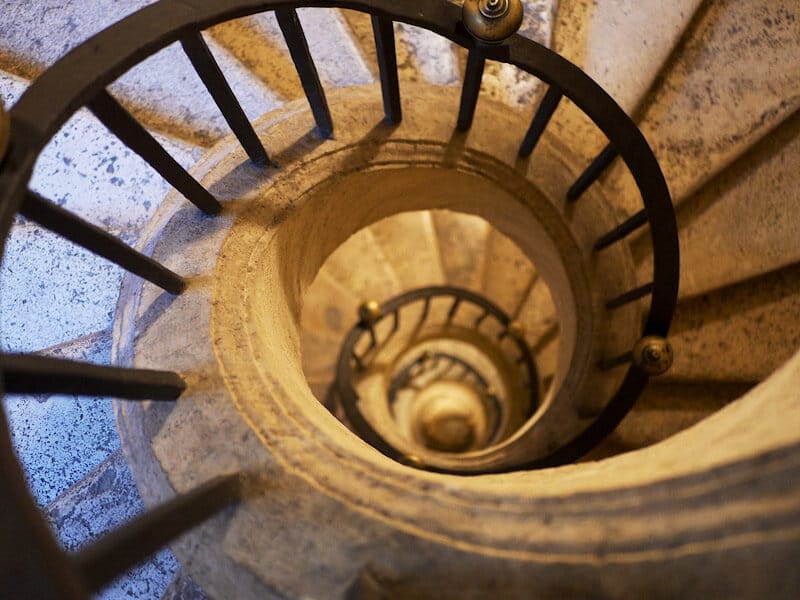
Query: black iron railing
x=80 y=80
x=485 y=317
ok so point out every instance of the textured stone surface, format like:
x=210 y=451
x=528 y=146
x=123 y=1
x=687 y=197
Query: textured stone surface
x=102 y=501
x=88 y=171
x=741 y=332
x=412 y=235
x=622 y=46
x=620 y=43
x=732 y=82
x=729 y=204
x=508 y=274
x=163 y=91
x=183 y=587
x=462 y=239
x=257 y=43
x=665 y=409
x=361 y=267
x=53 y=291
x=59 y=439
x=746 y=218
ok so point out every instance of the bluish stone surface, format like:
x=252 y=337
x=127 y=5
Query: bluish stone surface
x=104 y=500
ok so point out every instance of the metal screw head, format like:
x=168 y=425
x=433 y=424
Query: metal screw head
x=5 y=130
x=492 y=21
x=369 y=312
x=653 y=354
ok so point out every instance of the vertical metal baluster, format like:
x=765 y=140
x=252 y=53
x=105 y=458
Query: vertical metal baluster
x=453 y=309
x=425 y=310
x=209 y=72
x=592 y=172
x=623 y=229
x=122 y=124
x=470 y=89
x=98 y=241
x=383 y=30
x=298 y=49
x=540 y=120
x=630 y=296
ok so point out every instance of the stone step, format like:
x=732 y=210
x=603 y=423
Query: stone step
x=732 y=81
x=665 y=408
x=508 y=273
x=163 y=92
x=105 y=499
x=88 y=171
x=462 y=243
x=258 y=44
x=360 y=266
x=59 y=439
x=53 y=290
x=409 y=242
x=747 y=215
x=622 y=47
x=741 y=332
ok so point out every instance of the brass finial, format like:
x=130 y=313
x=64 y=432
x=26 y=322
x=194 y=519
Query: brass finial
x=653 y=355
x=492 y=21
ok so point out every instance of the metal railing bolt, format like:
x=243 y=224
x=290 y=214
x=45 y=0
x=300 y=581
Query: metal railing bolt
x=653 y=355
x=492 y=21
x=369 y=312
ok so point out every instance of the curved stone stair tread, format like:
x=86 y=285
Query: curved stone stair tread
x=53 y=291
x=425 y=57
x=163 y=92
x=59 y=439
x=537 y=315
x=705 y=113
x=319 y=356
x=329 y=308
x=746 y=217
x=621 y=46
x=26 y=38
x=418 y=54
x=508 y=274
x=666 y=408
x=88 y=171
x=257 y=42
x=183 y=587
x=741 y=332
x=409 y=242
x=462 y=240
x=360 y=266
x=105 y=499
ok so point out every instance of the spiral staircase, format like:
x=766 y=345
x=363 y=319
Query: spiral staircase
x=715 y=89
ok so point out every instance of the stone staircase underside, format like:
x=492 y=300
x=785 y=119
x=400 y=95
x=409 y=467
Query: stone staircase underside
x=714 y=85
